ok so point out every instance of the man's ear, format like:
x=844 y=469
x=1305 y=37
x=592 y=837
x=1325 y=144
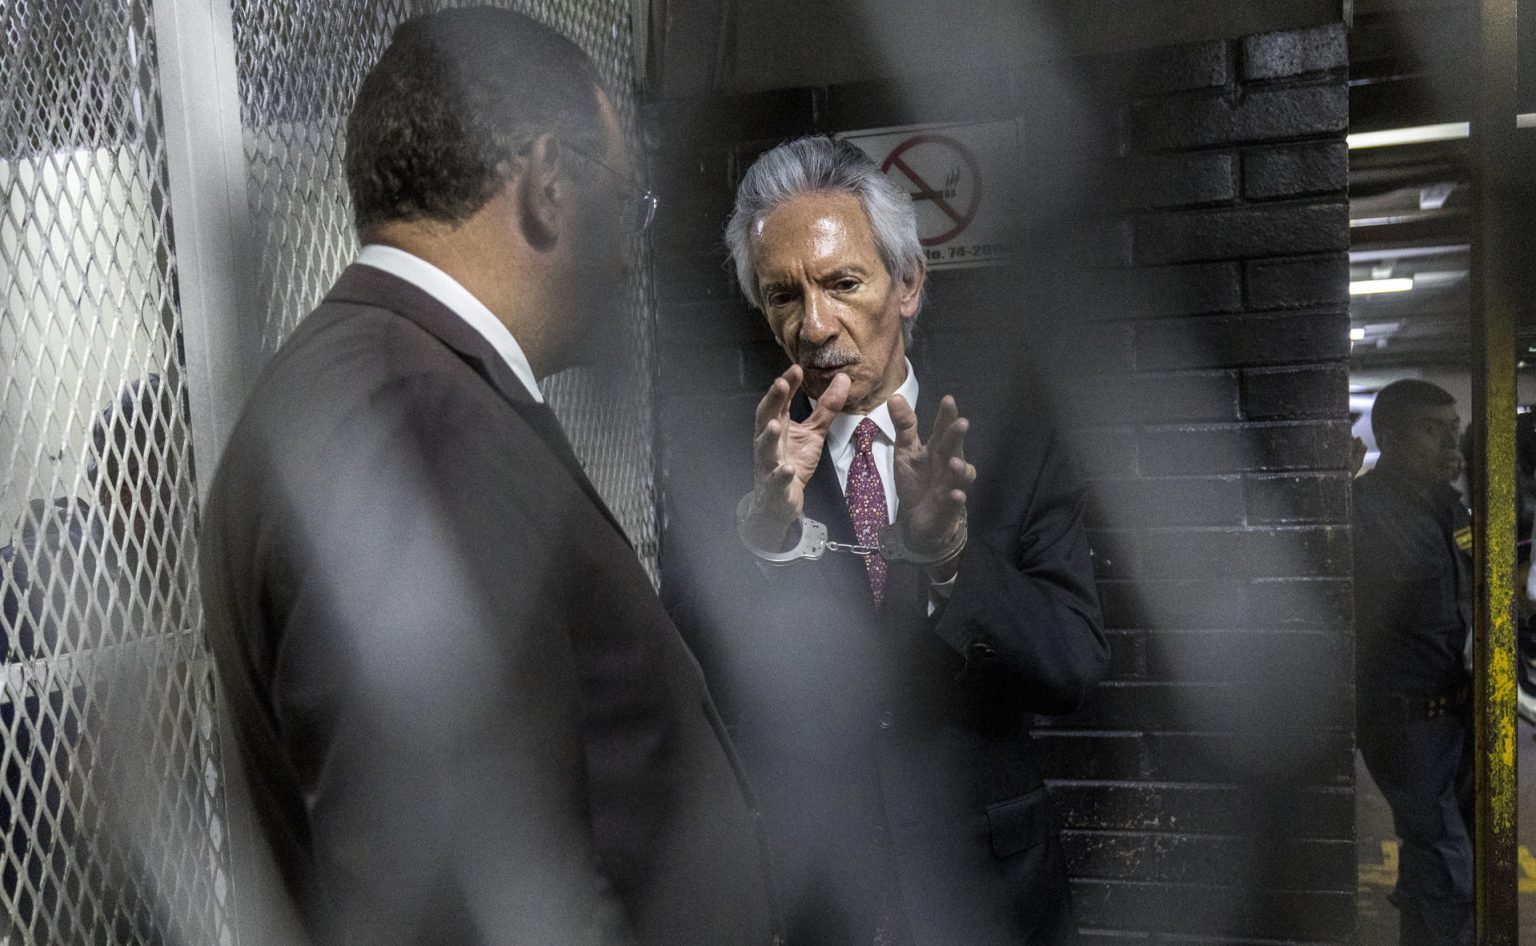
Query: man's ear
x=542 y=192
x=912 y=290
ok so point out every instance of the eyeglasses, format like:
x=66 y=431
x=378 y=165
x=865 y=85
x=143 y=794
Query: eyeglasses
x=640 y=204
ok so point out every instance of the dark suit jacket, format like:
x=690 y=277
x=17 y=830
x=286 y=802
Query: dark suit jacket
x=888 y=745
x=464 y=714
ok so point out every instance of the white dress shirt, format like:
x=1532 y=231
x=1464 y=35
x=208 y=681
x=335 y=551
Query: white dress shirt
x=458 y=300
x=841 y=448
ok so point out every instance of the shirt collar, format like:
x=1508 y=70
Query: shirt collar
x=841 y=429
x=460 y=301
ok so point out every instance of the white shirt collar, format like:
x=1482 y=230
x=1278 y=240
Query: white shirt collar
x=841 y=429
x=460 y=301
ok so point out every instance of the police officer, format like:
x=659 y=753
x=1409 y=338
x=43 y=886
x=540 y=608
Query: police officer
x=1412 y=543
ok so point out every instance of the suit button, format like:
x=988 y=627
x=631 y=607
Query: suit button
x=980 y=650
x=886 y=719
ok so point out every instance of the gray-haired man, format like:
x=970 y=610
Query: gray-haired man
x=882 y=700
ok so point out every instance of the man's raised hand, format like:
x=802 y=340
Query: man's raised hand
x=932 y=479
x=785 y=454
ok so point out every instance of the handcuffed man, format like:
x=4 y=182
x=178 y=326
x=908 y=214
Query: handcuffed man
x=898 y=590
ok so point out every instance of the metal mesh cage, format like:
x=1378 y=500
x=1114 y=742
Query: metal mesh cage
x=112 y=800
x=299 y=67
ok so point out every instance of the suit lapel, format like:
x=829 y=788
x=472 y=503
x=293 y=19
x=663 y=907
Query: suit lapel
x=547 y=426
x=370 y=286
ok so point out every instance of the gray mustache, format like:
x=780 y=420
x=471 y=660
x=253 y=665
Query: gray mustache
x=829 y=358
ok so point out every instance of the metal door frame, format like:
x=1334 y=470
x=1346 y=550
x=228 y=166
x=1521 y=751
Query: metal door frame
x=1494 y=156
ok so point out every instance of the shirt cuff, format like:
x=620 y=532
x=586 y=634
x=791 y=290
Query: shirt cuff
x=939 y=592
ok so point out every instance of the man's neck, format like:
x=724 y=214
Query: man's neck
x=479 y=263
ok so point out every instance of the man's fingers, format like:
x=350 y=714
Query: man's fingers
x=795 y=375
x=776 y=483
x=946 y=415
x=772 y=509
x=773 y=490
x=830 y=403
x=948 y=425
x=776 y=402
x=768 y=408
x=960 y=474
x=765 y=446
x=951 y=504
x=950 y=441
x=905 y=421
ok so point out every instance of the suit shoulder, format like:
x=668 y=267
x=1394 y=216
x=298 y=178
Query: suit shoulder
x=359 y=345
x=356 y=382
x=348 y=361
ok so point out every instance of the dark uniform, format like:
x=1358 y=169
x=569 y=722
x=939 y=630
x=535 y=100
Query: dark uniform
x=1412 y=541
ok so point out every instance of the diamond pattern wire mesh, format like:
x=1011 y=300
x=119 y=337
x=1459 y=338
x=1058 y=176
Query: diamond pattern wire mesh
x=111 y=802
x=299 y=66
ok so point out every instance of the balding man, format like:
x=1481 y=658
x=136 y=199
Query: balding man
x=463 y=713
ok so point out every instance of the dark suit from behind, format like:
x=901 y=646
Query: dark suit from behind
x=891 y=748
x=464 y=716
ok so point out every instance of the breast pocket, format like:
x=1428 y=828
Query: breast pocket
x=1019 y=824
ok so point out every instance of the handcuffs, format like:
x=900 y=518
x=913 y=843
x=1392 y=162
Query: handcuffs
x=814 y=543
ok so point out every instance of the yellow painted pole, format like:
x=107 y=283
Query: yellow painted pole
x=1493 y=486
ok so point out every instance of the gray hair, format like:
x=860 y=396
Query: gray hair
x=816 y=165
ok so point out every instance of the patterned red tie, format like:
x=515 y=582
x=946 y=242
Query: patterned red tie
x=866 y=503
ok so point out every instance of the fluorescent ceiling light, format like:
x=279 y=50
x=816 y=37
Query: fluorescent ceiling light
x=1418 y=134
x=1394 y=219
x=1357 y=334
x=1406 y=252
x=1371 y=287
x=1439 y=278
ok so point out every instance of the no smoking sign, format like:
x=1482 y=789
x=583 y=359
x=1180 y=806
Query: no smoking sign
x=944 y=181
x=950 y=172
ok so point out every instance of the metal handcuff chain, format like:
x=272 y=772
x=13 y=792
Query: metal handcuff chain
x=814 y=543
